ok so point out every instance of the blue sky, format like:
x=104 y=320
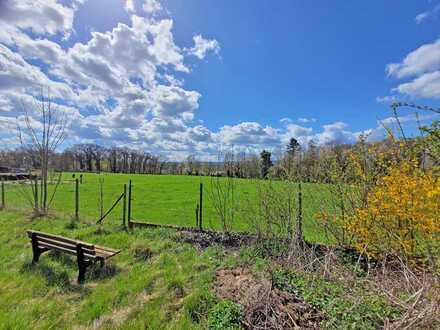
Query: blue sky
x=191 y=77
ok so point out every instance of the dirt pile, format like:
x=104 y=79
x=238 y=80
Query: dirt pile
x=204 y=239
x=264 y=307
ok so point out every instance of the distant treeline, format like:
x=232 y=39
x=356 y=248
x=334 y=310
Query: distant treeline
x=311 y=163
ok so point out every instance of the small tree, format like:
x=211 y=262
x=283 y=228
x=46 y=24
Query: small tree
x=42 y=132
x=287 y=164
x=222 y=193
x=266 y=163
x=292 y=147
x=191 y=165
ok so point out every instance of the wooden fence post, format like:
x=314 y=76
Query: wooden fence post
x=101 y=196
x=76 y=199
x=129 y=205
x=197 y=215
x=3 y=194
x=201 y=207
x=124 y=206
x=36 y=194
x=299 y=234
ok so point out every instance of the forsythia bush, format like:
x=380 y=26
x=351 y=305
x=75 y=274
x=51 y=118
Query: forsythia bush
x=400 y=215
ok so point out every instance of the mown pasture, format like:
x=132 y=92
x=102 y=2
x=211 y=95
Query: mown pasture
x=158 y=281
x=165 y=199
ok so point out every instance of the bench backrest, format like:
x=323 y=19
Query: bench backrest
x=62 y=244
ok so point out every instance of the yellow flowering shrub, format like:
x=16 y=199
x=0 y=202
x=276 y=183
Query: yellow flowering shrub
x=401 y=213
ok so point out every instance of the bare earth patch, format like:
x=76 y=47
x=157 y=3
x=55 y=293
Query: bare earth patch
x=264 y=307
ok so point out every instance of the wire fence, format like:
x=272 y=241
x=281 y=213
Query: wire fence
x=94 y=198
x=157 y=199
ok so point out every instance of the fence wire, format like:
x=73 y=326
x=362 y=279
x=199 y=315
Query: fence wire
x=159 y=199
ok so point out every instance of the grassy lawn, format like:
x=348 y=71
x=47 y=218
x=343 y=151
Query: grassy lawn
x=156 y=282
x=164 y=199
x=152 y=284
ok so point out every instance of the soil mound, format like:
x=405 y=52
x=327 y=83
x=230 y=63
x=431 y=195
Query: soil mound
x=264 y=307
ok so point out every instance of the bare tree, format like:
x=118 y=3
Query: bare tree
x=190 y=164
x=41 y=130
x=221 y=193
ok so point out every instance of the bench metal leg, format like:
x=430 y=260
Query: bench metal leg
x=82 y=263
x=82 y=267
x=36 y=257
x=36 y=251
x=36 y=254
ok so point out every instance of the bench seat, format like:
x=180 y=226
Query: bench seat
x=85 y=253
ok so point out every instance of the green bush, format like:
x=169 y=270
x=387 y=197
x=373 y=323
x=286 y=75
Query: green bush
x=344 y=307
x=199 y=304
x=225 y=315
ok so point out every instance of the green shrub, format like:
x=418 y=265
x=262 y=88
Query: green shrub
x=141 y=252
x=199 y=304
x=225 y=316
x=344 y=307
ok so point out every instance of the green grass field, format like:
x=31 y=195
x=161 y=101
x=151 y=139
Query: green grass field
x=163 y=199
x=156 y=282
x=132 y=292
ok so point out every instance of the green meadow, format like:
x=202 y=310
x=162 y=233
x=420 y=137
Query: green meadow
x=163 y=199
x=152 y=284
x=158 y=281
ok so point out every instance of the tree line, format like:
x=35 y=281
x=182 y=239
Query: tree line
x=95 y=158
x=310 y=163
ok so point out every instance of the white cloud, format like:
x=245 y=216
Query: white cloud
x=151 y=6
x=424 y=59
x=40 y=16
x=248 y=133
x=386 y=99
x=126 y=86
x=118 y=75
x=124 y=63
x=18 y=75
x=200 y=133
x=423 y=66
x=296 y=131
x=306 y=120
x=426 y=86
x=421 y=17
x=405 y=119
x=335 y=133
x=129 y=6
x=427 y=14
x=203 y=46
x=173 y=101
x=163 y=46
x=285 y=120
x=30 y=48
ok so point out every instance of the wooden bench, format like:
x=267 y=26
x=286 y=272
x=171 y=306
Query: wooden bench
x=86 y=254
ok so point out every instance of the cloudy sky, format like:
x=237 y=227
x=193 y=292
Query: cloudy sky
x=192 y=77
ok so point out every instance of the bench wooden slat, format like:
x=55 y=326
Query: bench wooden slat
x=61 y=249
x=60 y=238
x=86 y=253
x=105 y=253
x=107 y=249
x=64 y=245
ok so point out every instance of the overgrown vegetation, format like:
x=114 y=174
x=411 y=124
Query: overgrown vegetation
x=225 y=315
x=344 y=306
